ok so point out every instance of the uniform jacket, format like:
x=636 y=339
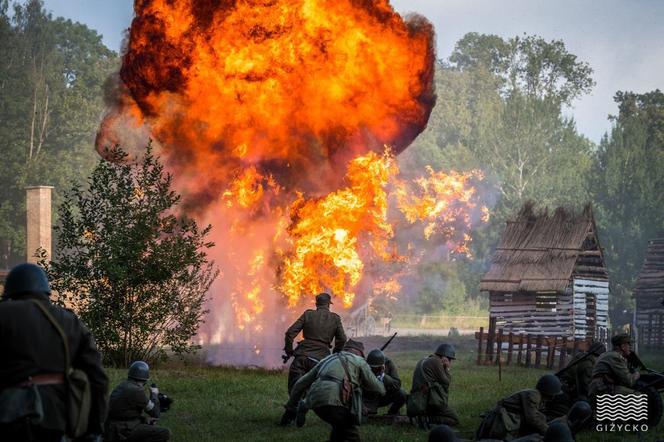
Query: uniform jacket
x=431 y=387
x=614 y=365
x=126 y=406
x=391 y=380
x=523 y=408
x=325 y=379
x=319 y=327
x=578 y=377
x=30 y=345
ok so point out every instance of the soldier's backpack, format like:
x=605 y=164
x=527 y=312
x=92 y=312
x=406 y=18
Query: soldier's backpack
x=78 y=386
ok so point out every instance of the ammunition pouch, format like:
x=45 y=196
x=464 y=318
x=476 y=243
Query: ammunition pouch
x=20 y=404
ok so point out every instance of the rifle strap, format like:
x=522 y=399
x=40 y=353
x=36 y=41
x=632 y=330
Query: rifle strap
x=344 y=364
x=61 y=332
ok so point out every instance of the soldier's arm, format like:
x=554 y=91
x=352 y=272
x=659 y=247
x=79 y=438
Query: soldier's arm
x=435 y=370
x=532 y=415
x=301 y=386
x=339 y=336
x=368 y=381
x=291 y=333
x=88 y=359
x=391 y=379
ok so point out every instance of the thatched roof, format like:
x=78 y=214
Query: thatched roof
x=538 y=251
x=651 y=278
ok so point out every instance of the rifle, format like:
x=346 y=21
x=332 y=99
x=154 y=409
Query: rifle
x=582 y=358
x=388 y=342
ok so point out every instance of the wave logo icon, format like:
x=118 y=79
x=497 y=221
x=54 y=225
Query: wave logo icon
x=622 y=407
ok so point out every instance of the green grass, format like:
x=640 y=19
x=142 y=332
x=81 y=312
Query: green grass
x=215 y=404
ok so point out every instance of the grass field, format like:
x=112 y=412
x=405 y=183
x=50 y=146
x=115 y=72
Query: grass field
x=225 y=404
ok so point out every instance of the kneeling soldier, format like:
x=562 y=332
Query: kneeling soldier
x=327 y=395
x=611 y=373
x=519 y=414
x=386 y=371
x=429 y=396
x=126 y=406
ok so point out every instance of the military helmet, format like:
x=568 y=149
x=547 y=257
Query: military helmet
x=323 y=299
x=139 y=371
x=579 y=413
x=376 y=358
x=597 y=348
x=446 y=350
x=619 y=339
x=549 y=385
x=442 y=433
x=558 y=432
x=26 y=278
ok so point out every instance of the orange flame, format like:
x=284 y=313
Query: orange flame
x=272 y=117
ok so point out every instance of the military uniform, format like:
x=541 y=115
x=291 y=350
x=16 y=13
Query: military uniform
x=125 y=417
x=325 y=382
x=31 y=347
x=395 y=396
x=429 y=395
x=611 y=375
x=515 y=416
x=576 y=380
x=319 y=327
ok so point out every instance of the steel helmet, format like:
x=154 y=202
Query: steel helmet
x=139 y=371
x=579 y=414
x=446 y=350
x=376 y=358
x=549 y=385
x=26 y=278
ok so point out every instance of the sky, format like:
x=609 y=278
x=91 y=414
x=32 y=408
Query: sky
x=622 y=40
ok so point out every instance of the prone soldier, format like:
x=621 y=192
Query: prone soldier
x=519 y=415
x=428 y=401
x=126 y=406
x=395 y=396
x=33 y=364
x=336 y=386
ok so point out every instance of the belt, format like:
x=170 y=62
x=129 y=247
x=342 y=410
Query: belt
x=43 y=379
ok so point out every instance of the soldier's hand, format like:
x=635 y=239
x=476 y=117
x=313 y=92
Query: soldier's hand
x=154 y=391
x=637 y=375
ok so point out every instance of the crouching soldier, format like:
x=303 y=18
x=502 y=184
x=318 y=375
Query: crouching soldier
x=611 y=373
x=576 y=419
x=519 y=414
x=429 y=397
x=336 y=385
x=386 y=371
x=126 y=406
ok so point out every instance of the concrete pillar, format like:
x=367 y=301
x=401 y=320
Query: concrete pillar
x=38 y=208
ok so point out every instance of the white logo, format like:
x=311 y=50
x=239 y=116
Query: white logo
x=622 y=407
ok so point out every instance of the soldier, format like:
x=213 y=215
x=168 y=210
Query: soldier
x=429 y=395
x=33 y=356
x=327 y=395
x=519 y=414
x=386 y=371
x=575 y=420
x=578 y=374
x=319 y=327
x=126 y=406
x=611 y=374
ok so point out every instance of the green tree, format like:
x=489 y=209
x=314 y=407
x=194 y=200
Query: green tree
x=52 y=73
x=135 y=272
x=628 y=187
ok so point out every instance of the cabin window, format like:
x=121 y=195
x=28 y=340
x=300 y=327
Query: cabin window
x=546 y=302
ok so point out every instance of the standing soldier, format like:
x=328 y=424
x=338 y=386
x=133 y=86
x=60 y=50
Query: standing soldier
x=319 y=327
x=429 y=395
x=386 y=371
x=611 y=374
x=519 y=415
x=336 y=386
x=126 y=406
x=33 y=358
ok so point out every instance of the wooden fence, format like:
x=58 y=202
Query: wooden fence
x=528 y=350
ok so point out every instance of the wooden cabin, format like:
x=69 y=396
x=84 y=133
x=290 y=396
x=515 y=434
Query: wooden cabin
x=547 y=276
x=649 y=296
